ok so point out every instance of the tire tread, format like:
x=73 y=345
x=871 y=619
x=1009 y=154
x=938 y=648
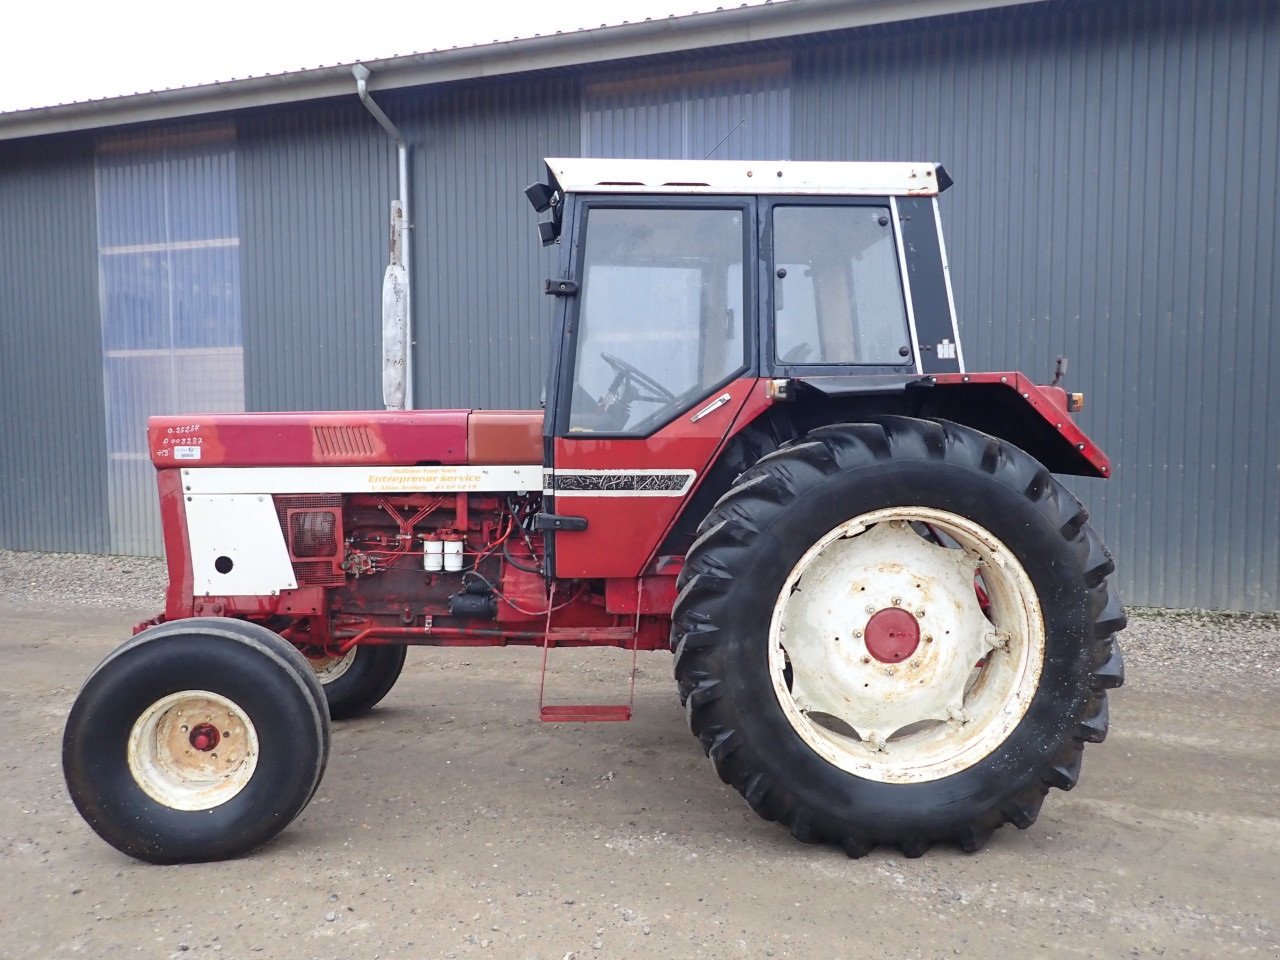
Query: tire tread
x=762 y=493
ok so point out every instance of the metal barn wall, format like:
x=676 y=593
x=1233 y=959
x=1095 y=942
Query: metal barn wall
x=1112 y=203
x=723 y=108
x=52 y=434
x=315 y=189
x=315 y=192
x=481 y=323
x=1113 y=164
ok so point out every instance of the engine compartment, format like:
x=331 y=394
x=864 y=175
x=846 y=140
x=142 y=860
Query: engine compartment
x=453 y=568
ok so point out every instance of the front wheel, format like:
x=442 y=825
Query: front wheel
x=897 y=633
x=196 y=740
x=356 y=681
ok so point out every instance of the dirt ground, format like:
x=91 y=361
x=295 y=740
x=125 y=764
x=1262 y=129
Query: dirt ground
x=451 y=823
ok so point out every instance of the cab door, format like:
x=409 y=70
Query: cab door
x=656 y=361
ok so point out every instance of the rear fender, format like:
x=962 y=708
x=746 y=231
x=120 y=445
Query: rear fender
x=1005 y=404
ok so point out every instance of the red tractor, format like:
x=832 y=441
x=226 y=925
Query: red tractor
x=759 y=448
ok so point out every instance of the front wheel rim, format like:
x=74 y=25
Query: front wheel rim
x=193 y=750
x=884 y=656
x=328 y=667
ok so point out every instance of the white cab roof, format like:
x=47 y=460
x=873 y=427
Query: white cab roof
x=586 y=175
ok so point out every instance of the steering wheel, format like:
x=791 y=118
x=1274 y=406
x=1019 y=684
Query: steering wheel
x=627 y=372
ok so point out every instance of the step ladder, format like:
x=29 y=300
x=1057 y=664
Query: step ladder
x=584 y=712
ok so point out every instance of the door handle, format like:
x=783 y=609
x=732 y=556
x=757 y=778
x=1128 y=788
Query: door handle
x=715 y=404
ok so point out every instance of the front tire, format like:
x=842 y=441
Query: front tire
x=196 y=740
x=355 y=682
x=848 y=675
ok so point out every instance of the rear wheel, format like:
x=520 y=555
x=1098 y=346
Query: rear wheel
x=196 y=740
x=897 y=633
x=355 y=682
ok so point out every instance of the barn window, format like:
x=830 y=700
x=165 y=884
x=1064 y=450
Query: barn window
x=169 y=280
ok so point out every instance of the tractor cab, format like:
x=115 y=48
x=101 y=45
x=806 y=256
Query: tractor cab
x=694 y=292
x=688 y=271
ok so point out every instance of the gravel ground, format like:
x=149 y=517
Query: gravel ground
x=51 y=579
x=1203 y=640
x=452 y=824
x=1200 y=640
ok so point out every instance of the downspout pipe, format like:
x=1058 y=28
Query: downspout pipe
x=361 y=74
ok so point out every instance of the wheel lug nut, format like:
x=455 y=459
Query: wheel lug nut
x=857 y=634
x=896 y=601
x=919 y=614
x=869 y=608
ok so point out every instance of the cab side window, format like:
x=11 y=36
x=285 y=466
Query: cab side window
x=837 y=288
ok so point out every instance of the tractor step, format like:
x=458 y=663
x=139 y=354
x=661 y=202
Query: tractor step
x=587 y=712
x=584 y=712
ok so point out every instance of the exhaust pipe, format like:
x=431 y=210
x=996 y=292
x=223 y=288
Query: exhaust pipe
x=397 y=315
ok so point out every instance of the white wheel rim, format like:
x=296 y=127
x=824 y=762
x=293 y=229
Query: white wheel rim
x=329 y=668
x=966 y=683
x=193 y=750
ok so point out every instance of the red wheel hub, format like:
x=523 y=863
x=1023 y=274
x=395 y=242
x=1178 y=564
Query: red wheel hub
x=204 y=736
x=892 y=635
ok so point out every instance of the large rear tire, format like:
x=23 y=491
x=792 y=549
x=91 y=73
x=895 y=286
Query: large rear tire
x=897 y=633
x=196 y=740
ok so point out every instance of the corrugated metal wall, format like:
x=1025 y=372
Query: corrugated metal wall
x=482 y=324
x=1113 y=203
x=315 y=188
x=315 y=192
x=722 y=108
x=52 y=444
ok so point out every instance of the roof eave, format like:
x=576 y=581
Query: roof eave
x=646 y=38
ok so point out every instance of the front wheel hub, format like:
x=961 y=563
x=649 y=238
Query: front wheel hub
x=193 y=750
x=204 y=737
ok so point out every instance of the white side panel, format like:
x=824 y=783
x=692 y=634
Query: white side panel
x=245 y=531
x=362 y=479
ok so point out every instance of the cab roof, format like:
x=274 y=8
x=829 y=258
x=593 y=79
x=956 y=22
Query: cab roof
x=815 y=178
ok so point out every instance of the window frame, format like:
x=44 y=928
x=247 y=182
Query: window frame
x=768 y=316
x=573 y=260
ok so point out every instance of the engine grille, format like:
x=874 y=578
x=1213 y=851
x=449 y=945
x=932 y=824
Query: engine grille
x=344 y=443
x=312 y=527
x=313 y=533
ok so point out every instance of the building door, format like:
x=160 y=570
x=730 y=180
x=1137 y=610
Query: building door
x=169 y=279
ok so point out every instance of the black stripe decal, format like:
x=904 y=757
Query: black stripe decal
x=622 y=483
